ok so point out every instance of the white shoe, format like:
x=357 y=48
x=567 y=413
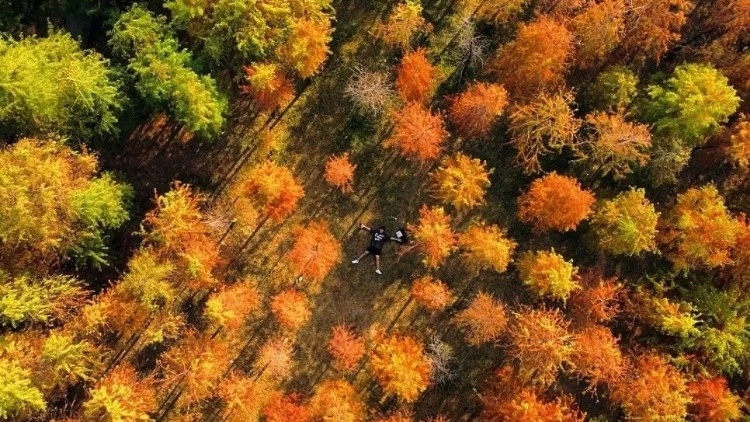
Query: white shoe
x=356 y=261
x=379 y=272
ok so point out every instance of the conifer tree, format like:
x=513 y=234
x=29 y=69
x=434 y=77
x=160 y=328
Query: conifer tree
x=555 y=202
x=626 y=224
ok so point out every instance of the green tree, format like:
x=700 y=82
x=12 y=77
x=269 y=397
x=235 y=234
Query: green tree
x=691 y=104
x=64 y=361
x=17 y=394
x=614 y=89
x=162 y=72
x=626 y=224
x=50 y=85
x=27 y=301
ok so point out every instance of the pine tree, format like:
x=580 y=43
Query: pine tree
x=626 y=224
x=418 y=134
x=475 y=111
x=712 y=401
x=555 y=202
x=461 y=181
x=336 y=400
x=415 y=77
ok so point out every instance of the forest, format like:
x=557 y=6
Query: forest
x=186 y=185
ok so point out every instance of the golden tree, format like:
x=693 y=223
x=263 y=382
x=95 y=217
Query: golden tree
x=286 y=408
x=291 y=308
x=431 y=293
x=271 y=188
x=400 y=365
x=653 y=25
x=339 y=172
x=417 y=133
x=476 y=110
x=699 y=231
x=547 y=273
x=712 y=401
x=555 y=202
x=483 y=321
x=403 y=23
x=496 y=11
x=120 y=396
x=597 y=31
x=346 y=347
x=307 y=47
x=267 y=86
x=434 y=233
x=415 y=77
x=540 y=343
x=461 y=181
x=486 y=248
x=738 y=149
x=542 y=126
x=528 y=406
x=337 y=401
x=274 y=360
x=230 y=306
x=615 y=146
x=198 y=364
x=654 y=391
x=626 y=224
x=243 y=398
x=315 y=251
x=598 y=301
x=535 y=60
x=597 y=357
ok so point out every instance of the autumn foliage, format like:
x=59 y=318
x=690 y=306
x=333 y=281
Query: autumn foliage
x=403 y=23
x=402 y=368
x=415 y=77
x=286 y=408
x=274 y=359
x=547 y=273
x=476 y=110
x=598 y=301
x=417 y=133
x=596 y=356
x=120 y=395
x=346 y=347
x=431 y=293
x=307 y=47
x=626 y=224
x=315 y=251
x=272 y=188
x=712 y=401
x=291 y=308
x=267 y=86
x=540 y=343
x=653 y=25
x=528 y=406
x=555 y=202
x=434 y=233
x=339 y=172
x=738 y=149
x=486 y=247
x=461 y=181
x=483 y=321
x=616 y=146
x=231 y=305
x=337 y=401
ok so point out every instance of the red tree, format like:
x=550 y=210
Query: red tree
x=415 y=76
x=555 y=202
x=339 y=172
x=315 y=251
x=475 y=111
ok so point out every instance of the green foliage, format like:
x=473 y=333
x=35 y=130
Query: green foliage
x=66 y=360
x=614 y=89
x=691 y=104
x=163 y=74
x=668 y=157
x=626 y=224
x=50 y=85
x=147 y=280
x=26 y=301
x=17 y=394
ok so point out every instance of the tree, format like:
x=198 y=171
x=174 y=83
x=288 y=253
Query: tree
x=541 y=127
x=286 y=408
x=483 y=321
x=272 y=188
x=400 y=365
x=597 y=31
x=417 y=134
x=230 y=306
x=691 y=104
x=244 y=398
x=434 y=233
x=24 y=300
x=486 y=248
x=698 y=230
x=598 y=301
x=597 y=357
x=668 y=157
x=120 y=396
x=548 y=274
x=475 y=111
x=274 y=359
x=162 y=72
x=315 y=251
x=626 y=224
x=307 y=46
x=555 y=202
x=461 y=181
x=727 y=20
x=292 y=308
x=415 y=77
x=51 y=85
x=654 y=390
x=403 y=23
x=615 y=146
x=198 y=364
x=653 y=26
x=614 y=89
x=339 y=172
x=712 y=401
x=18 y=396
x=527 y=406
x=64 y=361
x=738 y=150
x=371 y=91
x=269 y=88
x=535 y=60
x=336 y=400
x=498 y=12
x=540 y=343
x=431 y=293
x=346 y=347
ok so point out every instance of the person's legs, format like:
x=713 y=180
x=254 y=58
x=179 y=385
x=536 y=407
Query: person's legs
x=356 y=261
x=377 y=264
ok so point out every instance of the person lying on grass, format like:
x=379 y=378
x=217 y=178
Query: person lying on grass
x=377 y=241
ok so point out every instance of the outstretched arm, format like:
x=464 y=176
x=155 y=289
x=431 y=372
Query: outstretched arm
x=363 y=227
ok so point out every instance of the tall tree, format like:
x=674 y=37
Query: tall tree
x=461 y=181
x=615 y=146
x=400 y=365
x=346 y=347
x=712 y=401
x=19 y=398
x=120 y=395
x=337 y=400
x=598 y=30
x=339 y=172
x=653 y=26
x=540 y=344
x=483 y=321
x=271 y=188
x=476 y=110
x=315 y=251
x=486 y=247
x=614 y=89
x=418 y=134
x=626 y=224
x=415 y=76
x=431 y=293
x=291 y=308
x=267 y=85
x=307 y=47
x=548 y=274
x=597 y=357
x=555 y=202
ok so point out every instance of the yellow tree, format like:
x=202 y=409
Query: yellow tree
x=307 y=46
x=315 y=251
x=431 y=293
x=461 y=181
x=415 y=76
x=476 y=110
x=540 y=343
x=597 y=31
x=626 y=224
x=339 y=172
x=549 y=274
x=417 y=133
x=615 y=146
x=403 y=23
x=267 y=86
x=400 y=365
x=555 y=202
x=434 y=234
x=337 y=401
x=197 y=364
x=483 y=321
x=486 y=247
x=120 y=396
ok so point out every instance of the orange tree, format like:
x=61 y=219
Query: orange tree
x=555 y=202
x=598 y=301
x=653 y=25
x=339 y=172
x=528 y=406
x=626 y=224
x=738 y=148
x=486 y=247
x=483 y=321
x=315 y=251
x=699 y=231
x=433 y=232
x=712 y=401
x=597 y=31
x=243 y=397
x=417 y=133
x=476 y=110
x=346 y=347
x=431 y=293
x=403 y=23
x=307 y=46
x=231 y=305
x=415 y=76
x=336 y=400
x=547 y=273
x=461 y=181
x=267 y=86
x=540 y=343
x=286 y=408
x=291 y=308
x=400 y=365
x=615 y=146
x=272 y=188
x=596 y=357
